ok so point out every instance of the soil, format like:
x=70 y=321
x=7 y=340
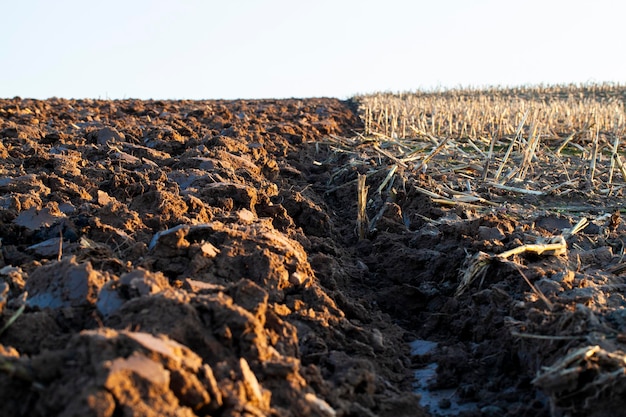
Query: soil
x=195 y=258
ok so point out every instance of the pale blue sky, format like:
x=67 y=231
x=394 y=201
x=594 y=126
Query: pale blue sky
x=279 y=48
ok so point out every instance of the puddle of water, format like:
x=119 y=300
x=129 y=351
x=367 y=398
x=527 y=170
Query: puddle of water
x=442 y=402
x=422 y=347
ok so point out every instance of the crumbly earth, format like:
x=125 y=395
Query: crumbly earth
x=195 y=258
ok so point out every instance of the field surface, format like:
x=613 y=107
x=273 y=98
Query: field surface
x=443 y=254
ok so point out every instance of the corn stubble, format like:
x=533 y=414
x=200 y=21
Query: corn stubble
x=495 y=112
x=512 y=137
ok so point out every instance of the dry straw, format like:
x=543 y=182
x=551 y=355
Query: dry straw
x=487 y=113
x=476 y=265
x=362 y=222
x=534 y=141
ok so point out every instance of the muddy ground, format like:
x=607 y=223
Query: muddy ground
x=183 y=258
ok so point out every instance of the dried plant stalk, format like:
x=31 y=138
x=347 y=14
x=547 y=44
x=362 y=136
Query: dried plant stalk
x=477 y=264
x=536 y=290
x=389 y=176
x=594 y=156
x=558 y=247
x=432 y=153
x=518 y=135
x=613 y=153
x=361 y=219
x=13 y=318
x=620 y=165
x=515 y=189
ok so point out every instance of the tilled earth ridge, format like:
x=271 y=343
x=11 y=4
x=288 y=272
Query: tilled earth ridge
x=171 y=258
x=202 y=258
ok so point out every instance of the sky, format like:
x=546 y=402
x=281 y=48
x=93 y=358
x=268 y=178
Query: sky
x=205 y=49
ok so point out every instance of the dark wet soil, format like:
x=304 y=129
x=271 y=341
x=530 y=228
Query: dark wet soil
x=202 y=258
